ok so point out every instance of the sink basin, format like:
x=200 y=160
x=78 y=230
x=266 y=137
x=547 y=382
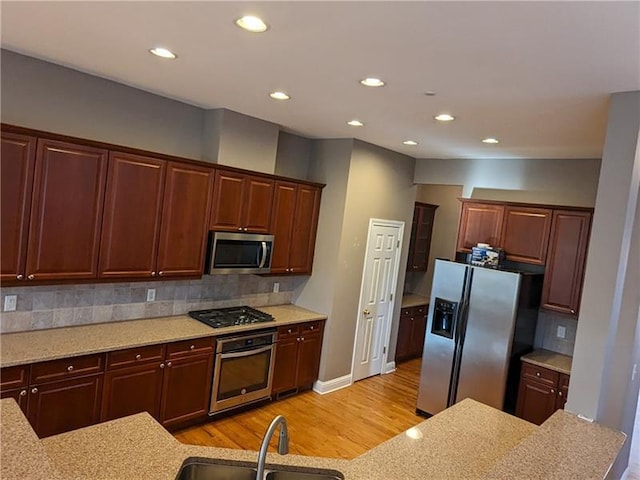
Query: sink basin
x=195 y=468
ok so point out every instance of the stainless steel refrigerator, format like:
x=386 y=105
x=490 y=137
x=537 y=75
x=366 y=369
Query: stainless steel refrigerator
x=480 y=322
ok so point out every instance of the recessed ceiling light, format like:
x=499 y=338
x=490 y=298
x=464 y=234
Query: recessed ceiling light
x=444 y=117
x=490 y=140
x=410 y=142
x=252 y=23
x=372 y=82
x=163 y=52
x=430 y=93
x=355 y=123
x=279 y=96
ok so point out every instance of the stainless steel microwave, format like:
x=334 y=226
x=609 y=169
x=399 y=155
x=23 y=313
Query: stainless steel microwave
x=239 y=253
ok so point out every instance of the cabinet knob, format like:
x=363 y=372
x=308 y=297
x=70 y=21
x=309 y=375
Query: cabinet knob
x=537 y=374
x=245 y=229
x=302 y=339
x=559 y=394
x=70 y=368
x=312 y=327
x=239 y=229
x=298 y=339
x=153 y=274
x=168 y=364
x=162 y=365
x=161 y=273
x=31 y=277
x=20 y=277
x=573 y=311
x=553 y=391
x=34 y=390
x=138 y=357
x=192 y=347
x=289 y=331
x=23 y=393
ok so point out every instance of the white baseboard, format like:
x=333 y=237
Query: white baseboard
x=332 y=385
x=390 y=367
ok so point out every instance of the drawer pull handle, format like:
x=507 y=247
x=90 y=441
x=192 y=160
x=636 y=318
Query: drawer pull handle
x=192 y=347
x=23 y=393
x=34 y=390
x=70 y=368
x=138 y=357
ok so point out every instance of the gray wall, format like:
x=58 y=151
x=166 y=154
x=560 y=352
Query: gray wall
x=292 y=157
x=44 y=96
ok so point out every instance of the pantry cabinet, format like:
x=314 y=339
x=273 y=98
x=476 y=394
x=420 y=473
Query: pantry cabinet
x=17 y=162
x=542 y=391
x=411 y=332
x=420 y=240
x=562 y=287
x=294 y=223
x=297 y=361
x=241 y=202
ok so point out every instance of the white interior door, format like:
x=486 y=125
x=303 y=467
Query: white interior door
x=376 y=297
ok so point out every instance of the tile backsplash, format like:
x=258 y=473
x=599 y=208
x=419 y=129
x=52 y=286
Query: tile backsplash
x=54 y=306
x=546 y=332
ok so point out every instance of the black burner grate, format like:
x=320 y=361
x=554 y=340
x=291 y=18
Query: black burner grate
x=227 y=317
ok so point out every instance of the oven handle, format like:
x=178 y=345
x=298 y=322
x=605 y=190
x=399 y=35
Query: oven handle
x=263 y=258
x=246 y=353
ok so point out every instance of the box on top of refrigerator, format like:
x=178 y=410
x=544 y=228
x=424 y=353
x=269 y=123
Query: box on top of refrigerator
x=486 y=256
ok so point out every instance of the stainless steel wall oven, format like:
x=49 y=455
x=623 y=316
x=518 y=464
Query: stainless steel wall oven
x=243 y=371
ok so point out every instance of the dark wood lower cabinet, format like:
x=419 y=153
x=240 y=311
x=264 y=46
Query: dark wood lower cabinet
x=542 y=391
x=132 y=390
x=297 y=357
x=186 y=390
x=65 y=405
x=411 y=332
x=20 y=395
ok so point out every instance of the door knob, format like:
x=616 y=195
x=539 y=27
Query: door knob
x=366 y=312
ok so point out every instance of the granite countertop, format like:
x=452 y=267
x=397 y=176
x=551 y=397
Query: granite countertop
x=41 y=345
x=469 y=440
x=551 y=360
x=413 y=300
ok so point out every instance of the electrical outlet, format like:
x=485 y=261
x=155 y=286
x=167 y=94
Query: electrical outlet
x=276 y=287
x=562 y=331
x=151 y=294
x=10 y=303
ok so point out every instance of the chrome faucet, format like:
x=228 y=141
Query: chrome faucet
x=283 y=443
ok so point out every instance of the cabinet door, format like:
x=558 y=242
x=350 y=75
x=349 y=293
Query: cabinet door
x=184 y=227
x=66 y=214
x=403 y=343
x=258 y=196
x=186 y=391
x=19 y=395
x=422 y=241
x=284 y=204
x=309 y=349
x=536 y=401
x=305 y=225
x=563 y=391
x=411 y=264
x=418 y=330
x=131 y=225
x=132 y=390
x=226 y=212
x=284 y=369
x=526 y=234
x=66 y=405
x=17 y=159
x=564 y=272
x=480 y=223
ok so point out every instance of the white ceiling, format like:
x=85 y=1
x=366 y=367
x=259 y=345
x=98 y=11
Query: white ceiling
x=536 y=75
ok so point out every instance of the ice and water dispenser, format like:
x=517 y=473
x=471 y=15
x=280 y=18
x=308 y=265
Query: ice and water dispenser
x=444 y=314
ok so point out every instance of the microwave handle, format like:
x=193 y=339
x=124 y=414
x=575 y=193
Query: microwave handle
x=263 y=258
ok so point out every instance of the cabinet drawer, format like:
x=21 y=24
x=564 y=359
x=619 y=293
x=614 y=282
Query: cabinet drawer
x=311 y=327
x=563 y=382
x=540 y=374
x=420 y=310
x=133 y=356
x=197 y=346
x=14 y=377
x=288 y=331
x=66 y=368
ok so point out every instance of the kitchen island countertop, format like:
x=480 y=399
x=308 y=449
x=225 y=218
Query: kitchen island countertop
x=51 y=344
x=548 y=359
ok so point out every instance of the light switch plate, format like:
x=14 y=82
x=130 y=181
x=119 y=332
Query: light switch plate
x=151 y=294
x=10 y=303
x=562 y=331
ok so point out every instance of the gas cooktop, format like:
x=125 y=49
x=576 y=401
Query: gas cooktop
x=228 y=317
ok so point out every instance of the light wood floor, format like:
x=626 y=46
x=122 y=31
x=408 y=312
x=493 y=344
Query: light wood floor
x=342 y=424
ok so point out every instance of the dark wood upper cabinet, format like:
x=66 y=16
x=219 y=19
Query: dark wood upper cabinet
x=526 y=234
x=284 y=205
x=241 y=203
x=305 y=226
x=17 y=160
x=66 y=213
x=479 y=223
x=131 y=225
x=185 y=212
x=564 y=273
x=420 y=239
